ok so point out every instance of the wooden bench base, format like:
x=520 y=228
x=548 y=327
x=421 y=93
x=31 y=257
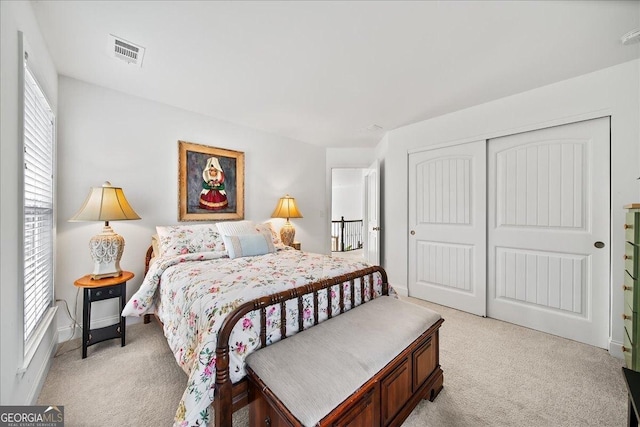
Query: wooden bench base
x=386 y=399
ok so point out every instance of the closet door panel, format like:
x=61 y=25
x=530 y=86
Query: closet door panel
x=548 y=204
x=447 y=226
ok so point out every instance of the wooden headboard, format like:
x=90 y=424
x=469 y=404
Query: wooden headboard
x=147 y=259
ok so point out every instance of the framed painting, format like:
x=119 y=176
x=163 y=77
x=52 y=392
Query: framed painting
x=210 y=183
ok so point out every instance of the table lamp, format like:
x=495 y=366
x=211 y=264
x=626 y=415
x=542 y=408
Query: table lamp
x=106 y=203
x=286 y=208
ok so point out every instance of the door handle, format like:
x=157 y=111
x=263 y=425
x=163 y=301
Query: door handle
x=376 y=228
x=599 y=245
x=413 y=232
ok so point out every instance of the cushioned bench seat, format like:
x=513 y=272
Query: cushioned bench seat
x=313 y=372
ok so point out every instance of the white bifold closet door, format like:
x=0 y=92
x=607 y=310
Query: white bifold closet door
x=517 y=228
x=447 y=226
x=548 y=230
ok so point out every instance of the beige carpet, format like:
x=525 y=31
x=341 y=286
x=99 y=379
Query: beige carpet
x=495 y=374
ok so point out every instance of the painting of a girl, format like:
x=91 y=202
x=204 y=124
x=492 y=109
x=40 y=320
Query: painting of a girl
x=211 y=183
x=213 y=195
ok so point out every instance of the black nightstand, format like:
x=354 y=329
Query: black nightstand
x=98 y=290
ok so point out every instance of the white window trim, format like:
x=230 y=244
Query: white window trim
x=36 y=338
x=31 y=345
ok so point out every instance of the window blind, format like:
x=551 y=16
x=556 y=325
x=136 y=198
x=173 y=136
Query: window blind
x=37 y=204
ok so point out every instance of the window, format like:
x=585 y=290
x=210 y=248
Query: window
x=38 y=206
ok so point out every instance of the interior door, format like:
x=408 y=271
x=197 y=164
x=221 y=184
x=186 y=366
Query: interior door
x=447 y=226
x=372 y=214
x=548 y=252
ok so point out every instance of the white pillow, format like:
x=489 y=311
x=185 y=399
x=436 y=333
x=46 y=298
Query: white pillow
x=187 y=239
x=234 y=228
x=243 y=245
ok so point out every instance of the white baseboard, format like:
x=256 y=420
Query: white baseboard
x=615 y=349
x=64 y=333
x=32 y=398
x=403 y=291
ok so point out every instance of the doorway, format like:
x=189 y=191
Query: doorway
x=355 y=213
x=347 y=213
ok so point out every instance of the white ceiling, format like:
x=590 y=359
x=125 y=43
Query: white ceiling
x=322 y=72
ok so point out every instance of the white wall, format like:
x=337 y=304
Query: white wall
x=347 y=193
x=612 y=91
x=132 y=142
x=18 y=388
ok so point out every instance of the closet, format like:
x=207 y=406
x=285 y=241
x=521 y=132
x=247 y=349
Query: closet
x=517 y=228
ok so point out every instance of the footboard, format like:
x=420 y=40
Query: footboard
x=224 y=399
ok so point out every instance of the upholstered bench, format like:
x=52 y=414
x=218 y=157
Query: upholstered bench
x=369 y=366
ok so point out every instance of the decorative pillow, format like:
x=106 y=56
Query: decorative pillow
x=267 y=228
x=234 y=228
x=244 y=227
x=243 y=245
x=186 y=239
x=155 y=244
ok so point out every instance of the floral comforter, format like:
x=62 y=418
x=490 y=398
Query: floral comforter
x=199 y=290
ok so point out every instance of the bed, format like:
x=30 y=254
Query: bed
x=221 y=299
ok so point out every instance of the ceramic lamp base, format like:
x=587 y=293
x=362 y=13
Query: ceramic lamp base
x=106 y=251
x=287 y=233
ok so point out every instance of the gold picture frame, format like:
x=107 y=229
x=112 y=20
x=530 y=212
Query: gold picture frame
x=210 y=183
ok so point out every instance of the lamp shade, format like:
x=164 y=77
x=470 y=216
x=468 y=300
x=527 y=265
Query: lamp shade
x=106 y=203
x=286 y=208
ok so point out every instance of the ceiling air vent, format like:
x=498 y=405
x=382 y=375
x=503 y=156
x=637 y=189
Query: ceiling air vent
x=124 y=50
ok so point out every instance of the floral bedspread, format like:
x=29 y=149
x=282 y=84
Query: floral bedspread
x=199 y=290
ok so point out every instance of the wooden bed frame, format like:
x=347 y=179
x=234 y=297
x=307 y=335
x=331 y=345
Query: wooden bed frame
x=230 y=397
